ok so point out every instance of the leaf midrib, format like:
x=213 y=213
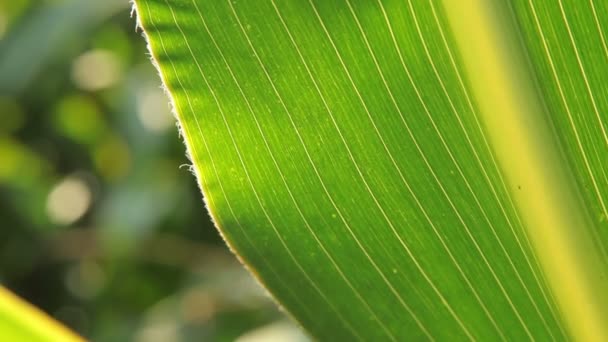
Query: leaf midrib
x=531 y=160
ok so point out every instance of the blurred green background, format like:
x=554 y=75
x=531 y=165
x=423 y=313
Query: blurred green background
x=101 y=222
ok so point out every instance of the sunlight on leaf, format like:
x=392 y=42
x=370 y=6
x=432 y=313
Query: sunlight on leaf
x=20 y=321
x=396 y=170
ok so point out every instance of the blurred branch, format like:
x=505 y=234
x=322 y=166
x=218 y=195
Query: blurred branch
x=164 y=249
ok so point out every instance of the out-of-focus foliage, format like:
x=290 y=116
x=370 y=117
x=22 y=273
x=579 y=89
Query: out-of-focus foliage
x=101 y=222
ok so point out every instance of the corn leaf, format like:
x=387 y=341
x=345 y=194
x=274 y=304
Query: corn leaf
x=402 y=170
x=20 y=321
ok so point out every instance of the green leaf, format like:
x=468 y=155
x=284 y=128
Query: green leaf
x=396 y=170
x=20 y=321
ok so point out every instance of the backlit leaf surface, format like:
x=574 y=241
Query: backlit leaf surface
x=353 y=154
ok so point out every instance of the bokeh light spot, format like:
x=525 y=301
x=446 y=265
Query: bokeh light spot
x=86 y=279
x=96 y=70
x=153 y=110
x=112 y=158
x=167 y=331
x=68 y=201
x=274 y=332
x=198 y=306
x=78 y=117
x=19 y=165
